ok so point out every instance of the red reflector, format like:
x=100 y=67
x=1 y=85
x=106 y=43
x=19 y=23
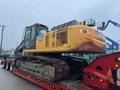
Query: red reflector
x=116 y=65
x=45 y=83
x=53 y=86
x=101 y=80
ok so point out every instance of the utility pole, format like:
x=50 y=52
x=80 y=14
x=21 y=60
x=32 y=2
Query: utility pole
x=3 y=27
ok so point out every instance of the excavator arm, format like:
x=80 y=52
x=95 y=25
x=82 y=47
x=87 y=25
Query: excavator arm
x=104 y=26
x=113 y=45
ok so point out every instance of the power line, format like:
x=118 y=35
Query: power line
x=17 y=14
x=29 y=10
x=35 y=6
x=23 y=8
x=27 y=4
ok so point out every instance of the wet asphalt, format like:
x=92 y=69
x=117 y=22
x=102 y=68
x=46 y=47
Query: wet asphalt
x=8 y=81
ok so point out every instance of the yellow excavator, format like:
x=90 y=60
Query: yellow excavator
x=40 y=53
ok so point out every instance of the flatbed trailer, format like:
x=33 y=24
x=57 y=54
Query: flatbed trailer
x=69 y=84
x=101 y=74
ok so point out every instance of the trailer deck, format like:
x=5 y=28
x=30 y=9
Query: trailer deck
x=8 y=81
x=62 y=85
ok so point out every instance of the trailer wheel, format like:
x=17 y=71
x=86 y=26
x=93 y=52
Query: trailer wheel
x=1 y=63
x=8 y=66
x=4 y=65
x=11 y=67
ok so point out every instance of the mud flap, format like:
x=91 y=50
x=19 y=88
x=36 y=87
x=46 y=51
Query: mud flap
x=118 y=77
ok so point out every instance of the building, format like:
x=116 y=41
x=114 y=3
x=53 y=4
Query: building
x=9 y=52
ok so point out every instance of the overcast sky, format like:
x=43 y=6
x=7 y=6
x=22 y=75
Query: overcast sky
x=16 y=14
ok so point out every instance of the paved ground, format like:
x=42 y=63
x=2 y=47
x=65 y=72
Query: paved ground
x=8 y=81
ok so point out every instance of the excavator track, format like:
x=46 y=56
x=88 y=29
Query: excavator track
x=44 y=68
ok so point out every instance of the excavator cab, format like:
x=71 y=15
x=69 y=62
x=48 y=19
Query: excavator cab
x=29 y=37
x=31 y=33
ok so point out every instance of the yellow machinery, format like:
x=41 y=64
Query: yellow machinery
x=41 y=50
x=74 y=38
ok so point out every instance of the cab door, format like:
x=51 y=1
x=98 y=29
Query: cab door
x=30 y=38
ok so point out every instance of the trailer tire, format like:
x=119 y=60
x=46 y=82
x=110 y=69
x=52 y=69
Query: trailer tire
x=4 y=65
x=11 y=67
x=8 y=66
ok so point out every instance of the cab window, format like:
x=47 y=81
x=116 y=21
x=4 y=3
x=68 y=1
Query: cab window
x=42 y=30
x=27 y=34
